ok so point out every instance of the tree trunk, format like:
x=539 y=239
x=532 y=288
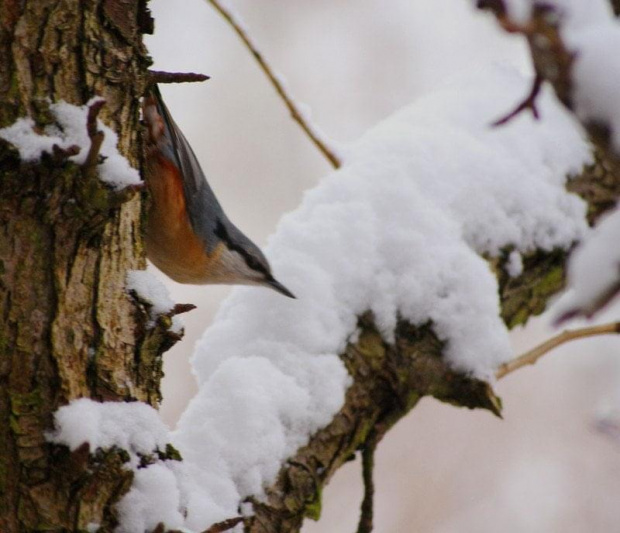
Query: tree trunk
x=68 y=328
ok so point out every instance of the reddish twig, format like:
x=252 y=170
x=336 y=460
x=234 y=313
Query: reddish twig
x=158 y=76
x=220 y=527
x=528 y=103
x=181 y=308
x=60 y=155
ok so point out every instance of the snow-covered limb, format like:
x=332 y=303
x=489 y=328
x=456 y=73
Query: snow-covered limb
x=395 y=236
x=136 y=428
x=70 y=131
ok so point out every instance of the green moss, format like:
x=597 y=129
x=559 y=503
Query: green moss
x=312 y=509
x=552 y=282
x=519 y=318
x=28 y=403
x=172 y=453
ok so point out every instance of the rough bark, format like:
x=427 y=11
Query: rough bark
x=68 y=328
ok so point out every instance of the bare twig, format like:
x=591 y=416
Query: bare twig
x=181 y=308
x=220 y=527
x=530 y=357
x=158 y=76
x=528 y=103
x=368 y=464
x=277 y=84
x=60 y=155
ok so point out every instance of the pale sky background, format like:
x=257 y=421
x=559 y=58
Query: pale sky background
x=543 y=468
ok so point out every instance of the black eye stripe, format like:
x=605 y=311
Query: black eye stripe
x=249 y=259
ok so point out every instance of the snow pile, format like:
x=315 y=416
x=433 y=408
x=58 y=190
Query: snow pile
x=136 y=428
x=398 y=231
x=152 y=291
x=591 y=31
x=593 y=276
x=70 y=130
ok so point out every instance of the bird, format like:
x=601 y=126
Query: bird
x=188 y=235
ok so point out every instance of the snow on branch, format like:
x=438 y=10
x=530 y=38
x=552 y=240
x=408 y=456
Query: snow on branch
x=73 y=134
x=573 y=46
x=155 y=294
x=135 y=427
x=398 y=231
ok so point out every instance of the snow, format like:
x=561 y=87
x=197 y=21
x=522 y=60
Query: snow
x=590 y=30
x=70 y=130
x=154 y=496
x=135 y=427
x=593 y=271
x=399 y=230
x=514 y=265
x=152 y=291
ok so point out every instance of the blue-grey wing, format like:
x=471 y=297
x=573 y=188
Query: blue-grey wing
x=205 y=212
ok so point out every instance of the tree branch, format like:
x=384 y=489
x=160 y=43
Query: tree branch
x=389 y=379
x=297 y=115
x=532 y=356
x=368 y=466
x=158 y=76
x=528 y=103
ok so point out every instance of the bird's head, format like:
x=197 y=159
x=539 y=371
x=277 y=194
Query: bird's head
x=241 y=262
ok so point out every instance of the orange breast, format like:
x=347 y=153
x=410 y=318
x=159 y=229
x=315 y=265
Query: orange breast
x=170 y=241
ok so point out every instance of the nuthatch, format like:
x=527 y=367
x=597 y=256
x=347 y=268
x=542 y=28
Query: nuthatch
x=189 y=237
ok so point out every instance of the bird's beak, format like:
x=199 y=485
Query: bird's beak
x=277 y=286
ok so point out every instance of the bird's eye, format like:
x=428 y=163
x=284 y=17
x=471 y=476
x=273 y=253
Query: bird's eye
x=253 y=263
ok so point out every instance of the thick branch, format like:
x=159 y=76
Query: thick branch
x=388 y=380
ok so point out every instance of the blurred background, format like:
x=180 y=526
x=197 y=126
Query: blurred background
x=547 y=467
